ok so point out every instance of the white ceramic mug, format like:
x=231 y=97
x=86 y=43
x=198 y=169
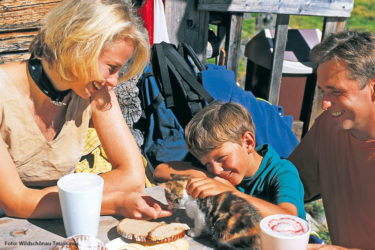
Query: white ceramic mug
x=80 y=197
x=284 y=232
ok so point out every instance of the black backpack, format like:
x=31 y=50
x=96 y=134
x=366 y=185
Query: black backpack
x=171 y=94
x=177 y=71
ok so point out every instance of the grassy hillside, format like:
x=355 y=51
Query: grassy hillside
x=362 y=18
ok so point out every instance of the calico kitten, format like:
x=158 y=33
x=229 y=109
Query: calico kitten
x=230 y=220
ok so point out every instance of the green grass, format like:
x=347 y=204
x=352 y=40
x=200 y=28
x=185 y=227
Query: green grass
x=316 y=210
x=306 y=22
x=363 y=16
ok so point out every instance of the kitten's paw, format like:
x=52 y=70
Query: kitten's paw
x=191 y=233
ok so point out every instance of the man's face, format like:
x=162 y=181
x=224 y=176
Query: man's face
x=351 y=108
x=230 y=162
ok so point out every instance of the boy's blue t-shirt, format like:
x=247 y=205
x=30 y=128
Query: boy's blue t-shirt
x=276 y=181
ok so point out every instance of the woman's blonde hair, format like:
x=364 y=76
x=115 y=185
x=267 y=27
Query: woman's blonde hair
x=215 y=124
x=76 y=31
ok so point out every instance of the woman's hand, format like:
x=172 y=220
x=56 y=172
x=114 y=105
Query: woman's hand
x=203 y=187
x=139 y=206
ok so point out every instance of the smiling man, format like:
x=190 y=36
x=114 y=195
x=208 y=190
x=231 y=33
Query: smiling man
x=336 y=158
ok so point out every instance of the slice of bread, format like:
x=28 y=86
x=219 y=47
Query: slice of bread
x=168 y=232
x=180 y=244
x=137 y=230
x=149 y=231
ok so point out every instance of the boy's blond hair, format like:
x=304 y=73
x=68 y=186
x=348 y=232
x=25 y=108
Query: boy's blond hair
x=76 y=31
x=215 y=124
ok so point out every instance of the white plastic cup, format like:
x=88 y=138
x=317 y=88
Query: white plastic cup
x=80 y=197
x=284 y=232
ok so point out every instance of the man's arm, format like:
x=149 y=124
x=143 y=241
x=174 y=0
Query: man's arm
x=328 y=247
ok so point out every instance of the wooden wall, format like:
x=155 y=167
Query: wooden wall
x=186 y=24
x=19 y=22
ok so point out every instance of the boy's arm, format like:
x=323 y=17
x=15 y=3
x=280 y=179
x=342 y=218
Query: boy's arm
x=266 y=208
x=204 y=187
x=164 y=170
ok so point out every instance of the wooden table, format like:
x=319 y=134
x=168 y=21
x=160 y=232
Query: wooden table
x=44 y=234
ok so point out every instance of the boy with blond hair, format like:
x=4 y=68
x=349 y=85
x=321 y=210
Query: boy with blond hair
x=222 y=137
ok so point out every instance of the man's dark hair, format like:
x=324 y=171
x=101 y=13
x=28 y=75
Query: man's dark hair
x=355 y=49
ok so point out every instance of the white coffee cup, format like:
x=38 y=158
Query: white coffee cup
x=284 y=232
x=80 y=200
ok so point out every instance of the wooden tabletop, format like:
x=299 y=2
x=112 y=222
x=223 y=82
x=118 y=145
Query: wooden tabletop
x=44 y=234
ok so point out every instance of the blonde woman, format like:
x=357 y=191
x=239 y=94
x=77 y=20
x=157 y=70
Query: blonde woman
x=47 y=103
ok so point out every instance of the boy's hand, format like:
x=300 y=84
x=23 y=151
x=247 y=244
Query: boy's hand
x=203 y=187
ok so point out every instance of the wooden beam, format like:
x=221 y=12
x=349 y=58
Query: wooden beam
x=186 y=24
x=336 y=8
x=19 y=23
x=21 y=56
x=333 y=24
x=281 y=35
x=23 y=14
x=16 y=41
x=234 y=42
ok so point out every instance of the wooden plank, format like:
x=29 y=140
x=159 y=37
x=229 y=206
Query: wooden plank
x=7 y=4
x=234 y=42
x=21 y=15
x=14 y=57
x=281 y=35
x=331 y=25
x=15 y=42
x=308 y=102
x=186 y=24
x=222 y=31
x=334 y=8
